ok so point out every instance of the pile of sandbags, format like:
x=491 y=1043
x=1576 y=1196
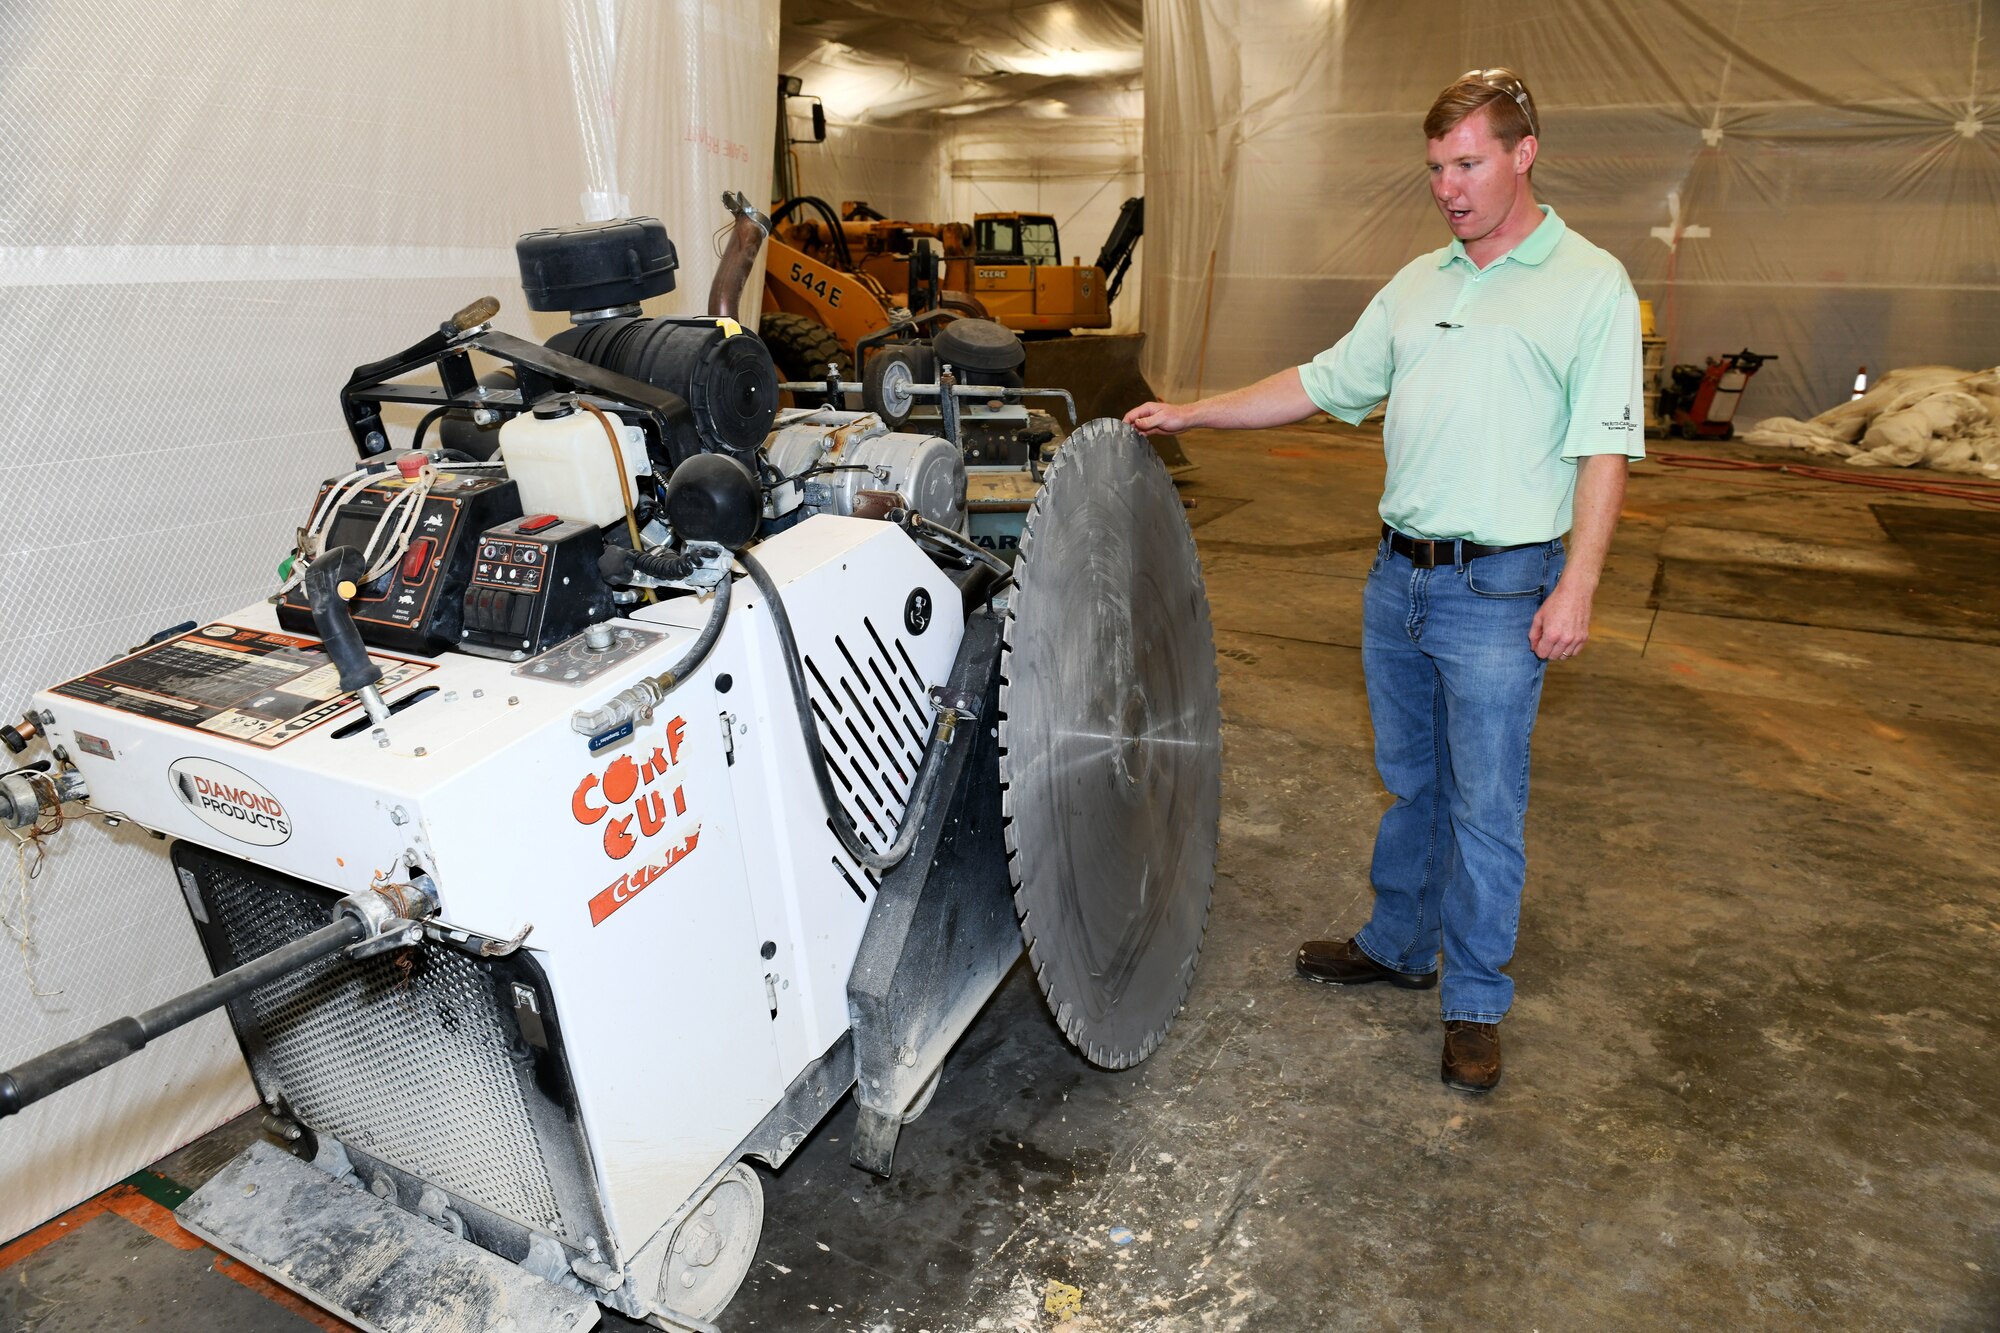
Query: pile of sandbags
x=1934 y=416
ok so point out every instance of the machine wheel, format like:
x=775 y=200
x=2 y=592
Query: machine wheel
x=711 y=1250
x=886 y=383
x=802 y=346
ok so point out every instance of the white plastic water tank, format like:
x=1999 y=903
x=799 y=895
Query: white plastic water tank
x=563 y=463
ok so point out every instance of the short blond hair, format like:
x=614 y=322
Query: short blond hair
x=1502 y=89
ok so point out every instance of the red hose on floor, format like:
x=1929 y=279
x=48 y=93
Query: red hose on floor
x=1972 y=490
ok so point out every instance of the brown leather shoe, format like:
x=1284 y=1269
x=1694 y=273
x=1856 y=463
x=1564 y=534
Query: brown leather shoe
x=1471 y=1055
x=1341 y=963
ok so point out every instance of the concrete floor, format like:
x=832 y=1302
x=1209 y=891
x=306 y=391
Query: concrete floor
x=1755 y=973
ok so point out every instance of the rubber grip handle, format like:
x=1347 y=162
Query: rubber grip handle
x=335 y=623
x=52 y=1071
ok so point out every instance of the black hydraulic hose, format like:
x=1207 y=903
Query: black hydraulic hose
x=825 y=210
x=843 y=823
x=446 y=453
x=922 y=529
x=698 y=651
x=618 y=563
x=335 y=623
x=670 y=565
x=52 y=1071
x=636 y=700
x=424 y=425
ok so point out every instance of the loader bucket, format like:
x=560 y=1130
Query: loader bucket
x=1101 y=371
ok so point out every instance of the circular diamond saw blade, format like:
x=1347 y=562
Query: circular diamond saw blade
x=1110 y=745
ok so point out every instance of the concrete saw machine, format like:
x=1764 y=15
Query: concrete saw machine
x=624 y=772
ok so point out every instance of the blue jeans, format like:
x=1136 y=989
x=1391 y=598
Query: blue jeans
x=1453 y=689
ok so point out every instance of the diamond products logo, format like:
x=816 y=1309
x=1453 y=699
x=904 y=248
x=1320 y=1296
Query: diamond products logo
x=636 y=800
x=230 y=802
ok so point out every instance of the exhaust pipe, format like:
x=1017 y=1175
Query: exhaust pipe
x=746 y=238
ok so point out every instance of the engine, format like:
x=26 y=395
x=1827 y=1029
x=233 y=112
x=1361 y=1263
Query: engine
x=850 y=463
x=542 y=506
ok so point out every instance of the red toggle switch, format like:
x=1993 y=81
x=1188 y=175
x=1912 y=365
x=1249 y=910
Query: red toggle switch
x=418 y=559
x=537 y=523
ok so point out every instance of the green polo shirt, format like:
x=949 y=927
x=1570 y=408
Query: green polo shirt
x=1498 y=380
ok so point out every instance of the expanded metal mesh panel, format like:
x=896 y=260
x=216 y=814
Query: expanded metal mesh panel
x=405 y=1057
x=868 y=697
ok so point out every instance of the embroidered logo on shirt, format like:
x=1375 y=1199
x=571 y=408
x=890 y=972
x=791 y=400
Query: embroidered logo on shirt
x=1626 y=424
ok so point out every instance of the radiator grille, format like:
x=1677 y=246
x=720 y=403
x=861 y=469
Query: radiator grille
x=409 y=1061
x=868 y=698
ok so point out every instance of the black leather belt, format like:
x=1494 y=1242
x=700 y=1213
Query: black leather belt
x=1426 y=554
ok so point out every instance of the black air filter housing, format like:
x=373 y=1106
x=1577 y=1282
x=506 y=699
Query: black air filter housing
x=727 y=379
x=596 y=265
x=979 y=344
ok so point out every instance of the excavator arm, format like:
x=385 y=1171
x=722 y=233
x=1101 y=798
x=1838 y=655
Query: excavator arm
x=1116 y=256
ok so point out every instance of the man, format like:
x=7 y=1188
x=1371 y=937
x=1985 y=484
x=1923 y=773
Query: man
x=1510 y=362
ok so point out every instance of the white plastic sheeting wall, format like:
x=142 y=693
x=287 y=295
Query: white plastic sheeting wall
x=212 y=211
x=1819 y=181
x=897 y=169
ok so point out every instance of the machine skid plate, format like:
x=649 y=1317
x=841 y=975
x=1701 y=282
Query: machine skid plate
x=368 y=1261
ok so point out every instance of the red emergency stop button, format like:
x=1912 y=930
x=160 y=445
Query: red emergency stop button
x=418 y=559
x=536 y=523
x=411 y=464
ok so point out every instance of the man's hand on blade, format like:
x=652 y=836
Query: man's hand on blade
x=1160 y=418
x=1562 y=625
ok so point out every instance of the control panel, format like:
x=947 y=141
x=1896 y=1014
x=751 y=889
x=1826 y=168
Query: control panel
x=535 y=582
x=417 y=606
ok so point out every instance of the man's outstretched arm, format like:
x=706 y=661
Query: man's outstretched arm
x=1275 y=400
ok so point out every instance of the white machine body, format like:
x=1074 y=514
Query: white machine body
x=694 y=914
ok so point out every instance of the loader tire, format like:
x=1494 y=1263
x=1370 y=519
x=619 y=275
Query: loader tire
x=802 y=346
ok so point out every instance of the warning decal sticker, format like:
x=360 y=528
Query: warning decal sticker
x=251 y=685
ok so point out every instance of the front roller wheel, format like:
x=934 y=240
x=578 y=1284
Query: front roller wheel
x=711 y=1251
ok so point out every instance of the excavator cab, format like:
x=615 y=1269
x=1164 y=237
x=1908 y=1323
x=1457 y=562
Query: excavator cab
x=1016 y=238
x=1019 y=275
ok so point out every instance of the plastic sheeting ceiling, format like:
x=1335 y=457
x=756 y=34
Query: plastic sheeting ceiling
x=939 y=111
x=1818 y=181
x=212 y=211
